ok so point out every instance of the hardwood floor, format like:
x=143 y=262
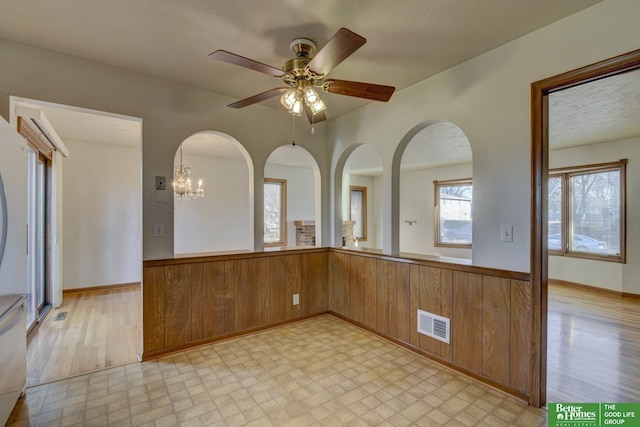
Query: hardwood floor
x=102 y=329
x=593 y=350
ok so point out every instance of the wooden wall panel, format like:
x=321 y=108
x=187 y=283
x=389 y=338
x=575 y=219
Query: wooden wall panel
x=403 y=303
x=294 y=274
x=466 y=328
x=197 y=301
x=382 y=296
x=414 y=298
x=278 y=288
x=263 y=294
x=317 y=280
x=153 y=308
x=496 y=328
x=356 y=288
x=332 y=262
x=252 y=291
x=229 y=296
x=214 y=299
x=521 y=306
x=177 y=305
x=446 y=295
x=393 y=299
x=370 y=275
x=344 y=302
x=430 y=300
x=241 y=279
x=304 y=285
x=336 y=286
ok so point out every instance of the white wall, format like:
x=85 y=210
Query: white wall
x=220 y=220
x=13 y=169
x=416 y=204
x=300 y=195
x=488 y=98
x=609 y=275
x=101 y=215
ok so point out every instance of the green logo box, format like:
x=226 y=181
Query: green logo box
x=594 y=414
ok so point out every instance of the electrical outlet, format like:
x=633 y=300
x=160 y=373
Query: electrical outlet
x=506 y=233
x=296 y=299
x=158 y=230
x=161 y=182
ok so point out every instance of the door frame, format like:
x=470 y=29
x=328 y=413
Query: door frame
x=539 y=193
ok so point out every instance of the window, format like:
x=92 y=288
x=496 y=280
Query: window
x=275 y=212
x=453 y=212
x=586 y=213
x=358 y=203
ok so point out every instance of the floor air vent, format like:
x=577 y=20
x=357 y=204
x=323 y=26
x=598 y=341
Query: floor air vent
x=433 y=325
x=61 y=316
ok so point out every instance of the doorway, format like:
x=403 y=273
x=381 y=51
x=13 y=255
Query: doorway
x=39 y=166
x=540 y=191
x=86 y=241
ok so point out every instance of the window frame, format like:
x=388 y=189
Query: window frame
x=565 y=174
x=363 y=190
x=436 y=211
x=283 y=212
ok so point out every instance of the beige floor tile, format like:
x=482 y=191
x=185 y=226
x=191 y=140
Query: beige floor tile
x=319 y=372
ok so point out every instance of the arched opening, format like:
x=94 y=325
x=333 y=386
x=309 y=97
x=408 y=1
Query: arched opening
x=361 y=197
x=222 y=220
x=297 y=169
x=435 y=209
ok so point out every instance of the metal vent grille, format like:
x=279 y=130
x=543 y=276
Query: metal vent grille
x=434 y=326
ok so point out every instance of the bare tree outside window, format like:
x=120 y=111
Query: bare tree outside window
x=454 y=213
x=586 y=219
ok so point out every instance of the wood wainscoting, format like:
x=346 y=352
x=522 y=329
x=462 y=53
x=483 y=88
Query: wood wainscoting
x=192 y=301
x=489 y=312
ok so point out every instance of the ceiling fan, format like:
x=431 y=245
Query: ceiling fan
x=306 y=72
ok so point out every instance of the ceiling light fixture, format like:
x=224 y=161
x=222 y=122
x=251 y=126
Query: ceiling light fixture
x=182 y=187
x=302 y=91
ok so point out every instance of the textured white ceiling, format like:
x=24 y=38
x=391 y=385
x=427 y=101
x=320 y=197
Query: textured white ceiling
x=600 y=111
x=407 y=41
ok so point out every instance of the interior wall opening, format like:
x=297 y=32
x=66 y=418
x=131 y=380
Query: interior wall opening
x=436 y=198
x=222 y=219
x=552 y=125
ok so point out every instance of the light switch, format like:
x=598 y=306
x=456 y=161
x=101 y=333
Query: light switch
x=296 y=299
x=161 y=183
x=506 y=233
x=158 y=230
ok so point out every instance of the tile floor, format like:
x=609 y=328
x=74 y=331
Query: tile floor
x=319 y=372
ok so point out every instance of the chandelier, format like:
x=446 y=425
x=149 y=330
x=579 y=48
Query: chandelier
x=302 y=91
x=182 y=187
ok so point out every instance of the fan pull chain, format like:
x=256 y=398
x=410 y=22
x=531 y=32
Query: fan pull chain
x=293 y=130
x=313 y=123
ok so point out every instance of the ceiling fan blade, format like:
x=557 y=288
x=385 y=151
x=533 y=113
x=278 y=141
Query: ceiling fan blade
x=319 y=117
x=258 y=98
x=359 y=89
x=338 y=48
x=241 y=61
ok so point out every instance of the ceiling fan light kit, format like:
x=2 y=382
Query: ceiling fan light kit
x=306 y=72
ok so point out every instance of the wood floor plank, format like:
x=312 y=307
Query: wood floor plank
x=593 y=352
x=102 y=329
